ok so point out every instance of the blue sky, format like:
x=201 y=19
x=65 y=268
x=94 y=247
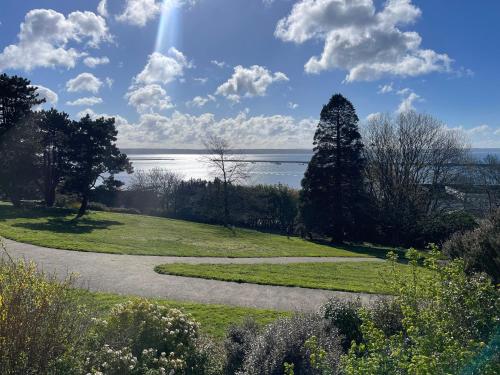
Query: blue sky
x=256 y=71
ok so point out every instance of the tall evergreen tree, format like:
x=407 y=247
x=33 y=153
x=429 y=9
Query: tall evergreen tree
x=333 y=184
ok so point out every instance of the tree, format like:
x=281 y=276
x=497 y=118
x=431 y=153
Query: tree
x=18 y=140
x=54 y=127
x=409 y=160
x=226 y=166
x=333 y=182
x=17 y=97
x=92 y=154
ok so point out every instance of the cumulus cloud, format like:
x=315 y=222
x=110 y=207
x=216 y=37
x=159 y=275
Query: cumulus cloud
x=84 y=82
x=163 y=68
x=87 y=101
x=44 y=36
x=92 y=62
x=139 y=12
x=249 y=82
x=220 y=64
x=200 y=101
x=369 y=44
x=292 y=105
x=481 y=136
x=384 y=89
x=45 y=93
x=149 y=98
x=407 y=102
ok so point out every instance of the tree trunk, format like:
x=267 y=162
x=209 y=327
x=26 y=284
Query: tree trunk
x=226 y=205
x=83 y=207
x=50 y=196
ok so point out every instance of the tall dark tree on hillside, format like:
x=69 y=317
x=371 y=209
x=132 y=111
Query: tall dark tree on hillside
x=333 y=184
x=18 y=138
x=92 y=154
x=17 y=97
x=54 y=127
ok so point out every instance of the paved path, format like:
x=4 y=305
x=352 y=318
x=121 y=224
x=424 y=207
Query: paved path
x=134 y=275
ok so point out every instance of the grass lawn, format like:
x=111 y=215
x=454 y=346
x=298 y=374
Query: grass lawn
x=370 y=277
x=214 y=319
x=118 y=233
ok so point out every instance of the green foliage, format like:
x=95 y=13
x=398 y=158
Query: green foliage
x=332 y=187
x=345 y=316
x=237 y=344
x=450 y=323
x=92 y=152
x=479 y=248
x=41 y=326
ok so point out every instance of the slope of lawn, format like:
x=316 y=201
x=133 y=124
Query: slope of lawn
x=119 y=233
x=214 y=319
x=369 y=277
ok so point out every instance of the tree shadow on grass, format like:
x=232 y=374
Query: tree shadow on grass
x=8 y=212
x=371 y=250
x=61 y=225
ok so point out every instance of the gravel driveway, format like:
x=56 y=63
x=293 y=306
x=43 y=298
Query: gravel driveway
x=134 y=275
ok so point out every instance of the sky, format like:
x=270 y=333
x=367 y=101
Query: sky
x=256 y=72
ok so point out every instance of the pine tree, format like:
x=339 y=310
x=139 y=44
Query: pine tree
x=332 y=186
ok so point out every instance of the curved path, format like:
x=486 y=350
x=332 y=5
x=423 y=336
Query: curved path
x=134 y=275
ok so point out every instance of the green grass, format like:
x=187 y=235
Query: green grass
x=119 y=233
x=214 y=319
x=369 y=277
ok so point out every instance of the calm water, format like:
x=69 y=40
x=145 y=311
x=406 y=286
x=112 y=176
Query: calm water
x=265 y=167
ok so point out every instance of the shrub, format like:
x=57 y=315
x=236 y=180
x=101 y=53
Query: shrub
x=479 y=248
x=41 y=326
x=437 y=229
x=140 y=337
x=345 y=316
x=450 y=325
x=284 y=341
x=387 y=316
x=237 y=344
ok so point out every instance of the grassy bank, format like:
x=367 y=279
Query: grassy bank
x=214 y=319
x=369 y=277
x=119 y=233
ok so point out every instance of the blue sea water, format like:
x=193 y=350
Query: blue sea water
x=265 y=166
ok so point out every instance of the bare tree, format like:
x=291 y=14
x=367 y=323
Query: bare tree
x=226 y=165
x=409 y=159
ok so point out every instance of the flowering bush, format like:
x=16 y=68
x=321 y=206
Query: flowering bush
x=450 y=324
x=140 y=337
x=41 y=326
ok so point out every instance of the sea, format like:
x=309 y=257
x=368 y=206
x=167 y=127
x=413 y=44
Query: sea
x=265 y=166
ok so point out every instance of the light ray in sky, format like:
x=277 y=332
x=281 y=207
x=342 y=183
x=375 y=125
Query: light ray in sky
x=168 y=27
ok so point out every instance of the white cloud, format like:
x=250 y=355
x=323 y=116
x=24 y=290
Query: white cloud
x=109 y=82
x=408 y=101
x=87 y=101
x=92 y=62
x=200 y=101
x=102 y=8
x=163 y=68
x=45 y=93
x=367 y=43
x=149 y=98
x=220 y=64
x=139 y=12
x=373 y=116
x=481 y=129
x=249 y=82
x=384 y=89
x=84 y=82
x=292 y=105
x=481 y=136
x=44 y=36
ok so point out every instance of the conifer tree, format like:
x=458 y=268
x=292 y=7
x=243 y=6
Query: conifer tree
x=332 y=187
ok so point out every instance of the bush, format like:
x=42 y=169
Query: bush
x=140 y=337
x=387 y=316
x=41 y=326
x=437 y=229
x=237 y=344
x=450 y=325
x=479 y=248
x=345 y=316
x=284 y=342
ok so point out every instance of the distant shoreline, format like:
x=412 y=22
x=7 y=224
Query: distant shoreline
x=150 y=151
